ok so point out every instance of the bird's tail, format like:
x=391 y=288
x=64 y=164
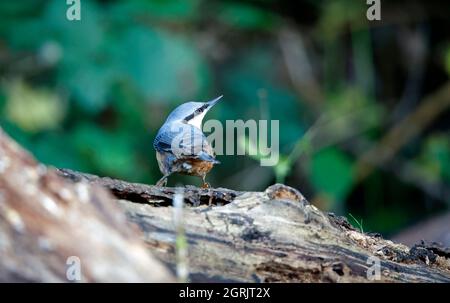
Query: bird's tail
x=207 y=157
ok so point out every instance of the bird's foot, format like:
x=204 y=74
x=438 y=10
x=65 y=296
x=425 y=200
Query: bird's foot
x=206 y=185
x=162 y=182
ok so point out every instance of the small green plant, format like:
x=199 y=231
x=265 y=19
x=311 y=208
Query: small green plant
x=359 y=224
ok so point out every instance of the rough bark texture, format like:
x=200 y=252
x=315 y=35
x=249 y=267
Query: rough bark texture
x=44 y=220
x=275 y=235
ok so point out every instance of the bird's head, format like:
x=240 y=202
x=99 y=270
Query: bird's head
x=192 y=112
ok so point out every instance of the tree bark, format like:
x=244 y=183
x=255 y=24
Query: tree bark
x=274 y=235
x=52 y=230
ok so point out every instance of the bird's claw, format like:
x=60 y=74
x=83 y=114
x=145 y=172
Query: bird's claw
x=162 y=182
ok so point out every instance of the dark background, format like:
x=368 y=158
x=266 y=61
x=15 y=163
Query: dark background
x=363 y=106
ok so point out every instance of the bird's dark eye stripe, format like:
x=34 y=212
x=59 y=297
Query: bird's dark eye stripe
x=201 y=109
x=189 y=117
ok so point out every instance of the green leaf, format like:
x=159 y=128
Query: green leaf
x=112 y=153
x=55 y=148
x=15 y=8
x=282 y=169
x=332 y=173
x=173 y=10
x=83 y=37
x=162 y=65
x=336 y=15
x=246 y=16
x=33 y=109
x=244 y=80
x=88 y=83
x=434 y=159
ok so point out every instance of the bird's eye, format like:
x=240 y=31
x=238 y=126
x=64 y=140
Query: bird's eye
x=198 y=111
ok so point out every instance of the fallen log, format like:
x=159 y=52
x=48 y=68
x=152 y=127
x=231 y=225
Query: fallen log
x=274 y=235
x=52 y=230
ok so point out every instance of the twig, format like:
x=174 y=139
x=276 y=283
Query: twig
x=431 y=107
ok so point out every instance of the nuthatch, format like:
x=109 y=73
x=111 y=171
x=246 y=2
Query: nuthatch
x=181 y=147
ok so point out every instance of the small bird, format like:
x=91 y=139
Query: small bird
x=181 y=147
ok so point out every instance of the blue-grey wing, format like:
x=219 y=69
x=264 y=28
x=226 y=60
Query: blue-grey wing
x=184 y=140
x=163 y=141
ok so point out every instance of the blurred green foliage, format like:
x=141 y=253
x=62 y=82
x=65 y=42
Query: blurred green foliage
x=91 y=94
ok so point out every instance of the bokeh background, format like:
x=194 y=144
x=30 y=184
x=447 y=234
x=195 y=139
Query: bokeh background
x=364 y=107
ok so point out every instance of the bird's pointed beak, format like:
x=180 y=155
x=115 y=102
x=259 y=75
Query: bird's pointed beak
x=213 y=102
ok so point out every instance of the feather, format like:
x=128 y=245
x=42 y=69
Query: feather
x=184 y=141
